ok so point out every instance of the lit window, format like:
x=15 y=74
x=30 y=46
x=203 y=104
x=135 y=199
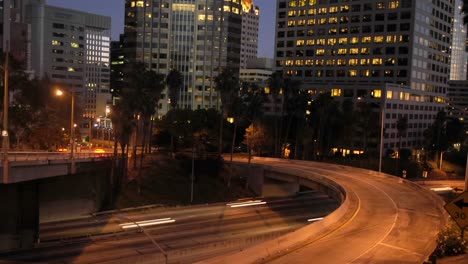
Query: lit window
x=392 y=39
x=389 y=94
x=74 y=45
x=56 y=43
x=376 y=93
x=299 y=62
x=335 y=92
x=333 y=9
x=353 y=73
x=393 y=4
x=378 y=39
x=354 y=51
x=365 y=62
x=366 y=39
x=377 y=61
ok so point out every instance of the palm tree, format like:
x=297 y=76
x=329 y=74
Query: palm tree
x=276 y=84
x=143 y=94
x=152 y=84
x=402 y=127
x=327 y=109
x=227 y=85
x=174 y=82
x=295 y=102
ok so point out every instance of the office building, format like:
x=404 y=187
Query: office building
x=357 y=49
x=72 y=48
x=249 y=37
x=458 y=65
x=199 y=38
x=458 y=98
x=117 y=67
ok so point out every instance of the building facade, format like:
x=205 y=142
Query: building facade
x=356 y=49
x=458 y=98
x=458 y=65
x=199 y=38
x=72 y=48
x=249 y=40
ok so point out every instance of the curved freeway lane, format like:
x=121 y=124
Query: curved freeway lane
x=384 y=219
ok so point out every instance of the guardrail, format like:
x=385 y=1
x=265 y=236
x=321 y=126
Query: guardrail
x=37 y=156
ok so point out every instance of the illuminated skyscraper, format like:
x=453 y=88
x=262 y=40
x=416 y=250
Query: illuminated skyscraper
x=406 y=42
x=394 y=53
x=72 y=48
x=250 y=22
x=200 y=38
x=458 y=70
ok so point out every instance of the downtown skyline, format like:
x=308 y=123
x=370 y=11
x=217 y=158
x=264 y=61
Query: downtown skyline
x=115 y=9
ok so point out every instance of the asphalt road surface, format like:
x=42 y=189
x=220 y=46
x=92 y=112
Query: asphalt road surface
x=388 y=220
x=177 y=235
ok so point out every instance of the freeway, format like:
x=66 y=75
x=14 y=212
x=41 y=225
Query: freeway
x=182 y=234
x=383 y=220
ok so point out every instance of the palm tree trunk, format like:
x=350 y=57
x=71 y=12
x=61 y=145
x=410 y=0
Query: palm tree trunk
x=220 y=148
x=140 y=169
x=233 y=139
x=288 y=127
x=135 y=142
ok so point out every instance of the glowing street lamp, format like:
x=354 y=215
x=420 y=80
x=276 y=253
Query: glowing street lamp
x=72 y=127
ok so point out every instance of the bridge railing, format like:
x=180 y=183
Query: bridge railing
x=37 y=156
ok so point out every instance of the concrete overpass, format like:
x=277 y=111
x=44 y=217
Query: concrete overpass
x=382 y=219
x=44 y=186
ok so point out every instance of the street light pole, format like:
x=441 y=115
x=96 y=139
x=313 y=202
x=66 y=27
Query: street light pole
x=6 y=102
x=382 y=116
x=72 y=132
x=466 y=174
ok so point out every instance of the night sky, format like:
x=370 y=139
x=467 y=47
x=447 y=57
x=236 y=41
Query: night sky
x=115 y=9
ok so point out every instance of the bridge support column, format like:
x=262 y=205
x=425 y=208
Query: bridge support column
x=19 y=223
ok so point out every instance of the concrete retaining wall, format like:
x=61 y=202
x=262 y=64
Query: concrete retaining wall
x=25 y=204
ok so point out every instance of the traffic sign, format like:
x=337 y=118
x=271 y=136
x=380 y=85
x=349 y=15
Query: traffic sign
x=458 y=209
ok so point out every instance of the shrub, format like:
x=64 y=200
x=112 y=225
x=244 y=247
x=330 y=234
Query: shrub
x=414 y=169
x=450 y=243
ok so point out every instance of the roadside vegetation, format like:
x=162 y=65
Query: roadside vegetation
x=450 y=242
x=167 y=182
